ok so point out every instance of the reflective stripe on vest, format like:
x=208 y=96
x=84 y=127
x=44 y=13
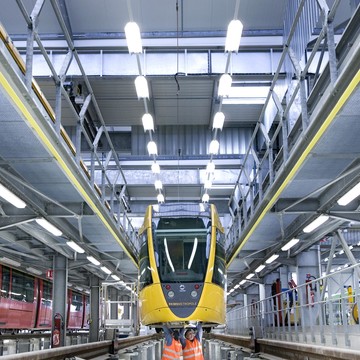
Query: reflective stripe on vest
x=193 y=350
x=173 y=351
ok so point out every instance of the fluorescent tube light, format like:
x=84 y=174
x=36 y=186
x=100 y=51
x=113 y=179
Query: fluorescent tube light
x=272 y=258
x=242 y=282
x=105 y=270
x=259 y=268
x=115 y=277
x=250 y=276
x=49 y=227
x=133 y=38
x=75 y=247
x=6 y=194
x=290 y=244
x=93 y=260
x=10 y=261
x=34 y=271
x=224 y=85
x=141 y=86
x=148 y=122
x=233 y=36
x=315 y=224
x=350 y=195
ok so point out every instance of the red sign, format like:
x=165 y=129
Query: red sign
x=49 y=274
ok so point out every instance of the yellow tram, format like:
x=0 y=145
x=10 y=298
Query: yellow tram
x=182 y=265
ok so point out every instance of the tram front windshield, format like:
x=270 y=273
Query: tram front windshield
x=182 y=249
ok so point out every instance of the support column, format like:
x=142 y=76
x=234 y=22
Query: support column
x=59 y=292
x=114 y=304
x=94 y=309
x=308 y=270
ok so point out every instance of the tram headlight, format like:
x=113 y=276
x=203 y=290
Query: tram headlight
x=194 y=294
x=171 y=294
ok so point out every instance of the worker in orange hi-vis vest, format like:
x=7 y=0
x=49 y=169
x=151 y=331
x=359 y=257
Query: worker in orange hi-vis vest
x=172 y=347
x=191 y=343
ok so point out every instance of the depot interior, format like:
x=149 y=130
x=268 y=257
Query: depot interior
x=276 y=151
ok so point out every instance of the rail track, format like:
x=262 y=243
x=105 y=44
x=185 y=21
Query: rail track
x=84 y=351
x=275 y=349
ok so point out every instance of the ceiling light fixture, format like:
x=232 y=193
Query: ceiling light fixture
x=290 y=244
x=115 y=277
x=205 y=197
x=242 y=282
x=34 y=271
x=152 y=148
x=210 y=168
x=233 y=36
x=250 y=276
x=214 y=147
x=93 y=260
x=75 y=247
x=272 y=258
x=133 y=38
x=219 y=119
x=141 y=86
x=155 y=168
x=350 y=195
x=224 y=85
x=158 y=184
x=10 y=261
x=148 y=122
x=160 y=198
x=207 y=184
x=105 y=270
x=259 y=268
x=6 y=194
x=315 y=224
x=49 y=227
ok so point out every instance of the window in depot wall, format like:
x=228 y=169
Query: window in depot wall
x=247 y=94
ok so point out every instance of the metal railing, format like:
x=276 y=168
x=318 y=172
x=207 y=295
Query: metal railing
x=112 y=200
x=285 y=115
x=323 y=311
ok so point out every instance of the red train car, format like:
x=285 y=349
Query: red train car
x=26 y=303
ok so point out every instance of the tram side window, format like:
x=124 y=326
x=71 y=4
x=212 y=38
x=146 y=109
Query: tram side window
x=22 y=287
x=76 y=302
x=47 y=294
x=5 y=284
x=219 y=264
x=145 y=272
